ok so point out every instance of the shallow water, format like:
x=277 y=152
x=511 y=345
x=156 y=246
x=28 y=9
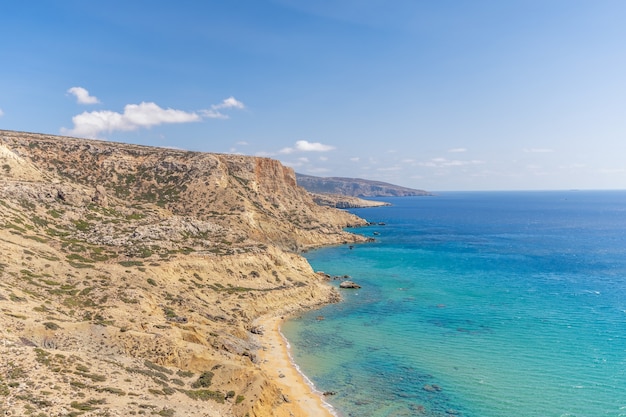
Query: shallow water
x=476 y=304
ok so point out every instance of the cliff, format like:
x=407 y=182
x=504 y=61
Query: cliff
x=131 y=277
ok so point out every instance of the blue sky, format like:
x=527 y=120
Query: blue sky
x=438 y=95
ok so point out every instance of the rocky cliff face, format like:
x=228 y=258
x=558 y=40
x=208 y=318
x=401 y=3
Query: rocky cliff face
x=252 y=200
x=131 y=276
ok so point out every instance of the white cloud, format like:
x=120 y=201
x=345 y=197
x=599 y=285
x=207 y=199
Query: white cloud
x=91 y=124
x=355 y=159
x=1 y=113
x=538 y=150
x=444 y=163
x=306 y=146
x=135 y=116
x=229 y=103
x=265 y=154
x=457 y=150
x=82 y=96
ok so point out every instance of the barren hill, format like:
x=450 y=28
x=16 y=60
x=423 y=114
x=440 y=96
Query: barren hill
x=131 y=277
x=355 y=187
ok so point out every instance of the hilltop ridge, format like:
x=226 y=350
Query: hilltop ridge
x=132 y=277
x=355 y=187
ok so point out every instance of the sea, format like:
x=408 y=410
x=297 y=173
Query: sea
x=475 y=304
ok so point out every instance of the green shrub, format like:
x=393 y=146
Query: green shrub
x=205 y=394
x=86 y=406
x=204 y=380
x=156 y=367
x=111 y=390
x=184 y=374
x=82 y=225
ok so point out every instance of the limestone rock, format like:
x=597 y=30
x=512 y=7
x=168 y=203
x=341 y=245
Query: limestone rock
x=100 y=196
x=349 y=284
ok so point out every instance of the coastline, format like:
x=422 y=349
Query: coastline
x=203 y=261
x=277 y=363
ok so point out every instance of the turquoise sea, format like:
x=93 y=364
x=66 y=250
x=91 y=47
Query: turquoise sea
x=484 y=304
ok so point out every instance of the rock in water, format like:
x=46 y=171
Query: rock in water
x=349 y=284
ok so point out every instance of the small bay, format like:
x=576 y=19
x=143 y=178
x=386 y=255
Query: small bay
x=487 y=304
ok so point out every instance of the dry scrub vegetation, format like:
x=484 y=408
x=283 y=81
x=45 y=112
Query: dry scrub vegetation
x=131 y=277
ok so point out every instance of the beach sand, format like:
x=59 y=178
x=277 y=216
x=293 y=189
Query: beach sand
x=276 y=362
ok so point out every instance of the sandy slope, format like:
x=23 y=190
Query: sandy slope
x=131 y=279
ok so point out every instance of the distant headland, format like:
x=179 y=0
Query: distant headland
x=355 y=187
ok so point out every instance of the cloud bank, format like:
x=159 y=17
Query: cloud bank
x=82 y=96
x=142 y=115
x=135 y=116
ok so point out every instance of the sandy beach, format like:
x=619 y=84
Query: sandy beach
x=276 y=362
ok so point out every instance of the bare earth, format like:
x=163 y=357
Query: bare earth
x=133 y=279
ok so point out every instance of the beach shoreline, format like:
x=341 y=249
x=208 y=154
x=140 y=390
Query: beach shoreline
x=277 y=363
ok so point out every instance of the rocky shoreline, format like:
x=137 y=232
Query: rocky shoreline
x=132 y=277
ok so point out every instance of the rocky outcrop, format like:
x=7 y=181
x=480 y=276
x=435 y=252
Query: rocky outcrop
x=131 y=277
x=349 y=284
x=100 y=196
x=254 y=198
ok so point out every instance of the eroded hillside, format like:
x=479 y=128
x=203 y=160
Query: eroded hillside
x=131 y=277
